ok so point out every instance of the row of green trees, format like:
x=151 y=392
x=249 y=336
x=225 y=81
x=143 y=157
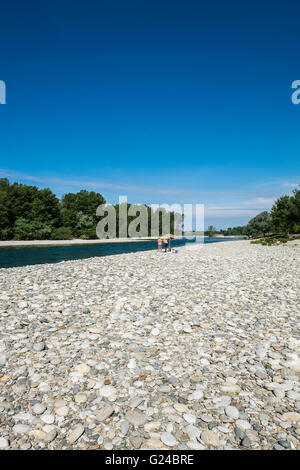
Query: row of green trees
x=283 y=218
x=239 y=230
x=29 y=213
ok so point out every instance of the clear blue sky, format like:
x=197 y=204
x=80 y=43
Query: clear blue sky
x=165 y=101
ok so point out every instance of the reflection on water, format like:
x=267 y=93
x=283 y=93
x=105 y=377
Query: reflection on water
x=22 y=256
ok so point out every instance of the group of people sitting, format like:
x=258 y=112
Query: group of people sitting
x=162 y=243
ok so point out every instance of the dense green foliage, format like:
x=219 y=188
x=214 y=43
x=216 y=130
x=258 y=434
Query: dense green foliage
x=78 y=212
x=261 y=224
x=29 y=213
x=283 y=218
x=151 y=214
x=286 y=213
x=62 y=233
x=270 y=241
x=239 y=230
x=210 y=231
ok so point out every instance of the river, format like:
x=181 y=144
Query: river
x=11 y=257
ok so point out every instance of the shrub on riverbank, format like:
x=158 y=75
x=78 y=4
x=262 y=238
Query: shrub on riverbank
x=270 y=241
x=89 y=234
x=31 y=230
x=62 y=233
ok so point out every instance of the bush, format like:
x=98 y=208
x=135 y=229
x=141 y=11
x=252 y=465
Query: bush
x=31 y=230
x=62 y=233
x=89 y=234
x=296 y=228
x=270 y=241
x=6 y=234
x=283 y=240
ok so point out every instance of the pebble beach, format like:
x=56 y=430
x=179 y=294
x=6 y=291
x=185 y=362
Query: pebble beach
x=194 y=350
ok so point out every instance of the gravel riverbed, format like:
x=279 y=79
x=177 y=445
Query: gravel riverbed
x=195 y=350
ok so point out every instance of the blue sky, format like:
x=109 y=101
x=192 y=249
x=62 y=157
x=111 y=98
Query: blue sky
x=164 y=101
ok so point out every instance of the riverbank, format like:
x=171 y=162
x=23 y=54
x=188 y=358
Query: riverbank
x=76 y=241
x=230 y=236
x=151 y=350
x=79 y=241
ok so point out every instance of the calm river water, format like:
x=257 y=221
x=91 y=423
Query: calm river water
x=22 y=256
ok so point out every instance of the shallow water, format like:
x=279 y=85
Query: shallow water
x=22 y=256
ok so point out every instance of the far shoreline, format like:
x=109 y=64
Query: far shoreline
x=79 y=241
x=75 y=241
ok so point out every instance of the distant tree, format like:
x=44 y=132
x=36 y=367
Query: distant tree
x=5 y=229
x=239 y=230
x=84 y=221
x=21 y=202
x=211 y=230
x=152 y=215
x=283 y=214
x=27 y=212
x=21 y=197
x=296 y=211
x=296 y=193
x=45 y=208
x=85 y=226
x=84 y=202
x=259 y=225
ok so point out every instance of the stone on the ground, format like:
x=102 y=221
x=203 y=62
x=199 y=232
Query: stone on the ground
x=75 y=433
x=210 y=438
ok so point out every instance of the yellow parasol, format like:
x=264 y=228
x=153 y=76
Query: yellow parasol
x=170 y=237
